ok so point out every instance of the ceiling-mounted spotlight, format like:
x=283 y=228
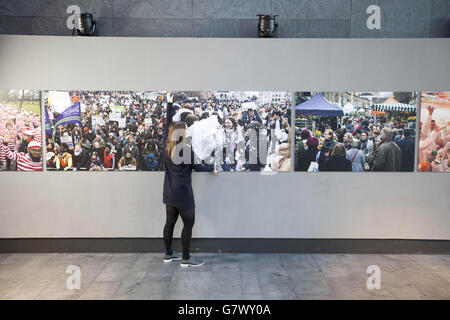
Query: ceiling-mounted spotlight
x=267 y=26
x=85 y=24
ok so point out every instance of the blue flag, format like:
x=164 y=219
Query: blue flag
x=48 y=128
x=71 y=115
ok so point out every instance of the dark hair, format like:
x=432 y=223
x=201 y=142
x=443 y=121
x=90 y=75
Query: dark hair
x=204 y=115
x=184 y=115
x=255 y=125
x=190 y=119
x=408 y=132
x=305 y=134
x=233 y=121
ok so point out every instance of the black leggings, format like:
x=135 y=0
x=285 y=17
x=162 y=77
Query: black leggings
x=188 y=217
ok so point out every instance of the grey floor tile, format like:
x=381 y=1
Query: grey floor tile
x=38 y=272
x=100 y=291
x=3 y=256
x=127 y=288
x=255 y=297
x=144 y=260
x=18 y=258
x=190 y=284
x=276 y=284
x=225 y=276
x=20 y=290
x=98 y=260
x=396 y=287
x=6 y=286
x=298 y=262
x=58 y=290
x=125 y=257
x=161 y=271
x=144 y=290
x=68 y=258
x=311 y=284
x=225 y=280
x=7 y=270
x=445 y=257
x=385 y=263
x=430 y=285
x=114 y=272
x=345 y=291
x=250 y=283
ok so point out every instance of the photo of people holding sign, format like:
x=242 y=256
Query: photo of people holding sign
x=124 y=130
x=20 y=130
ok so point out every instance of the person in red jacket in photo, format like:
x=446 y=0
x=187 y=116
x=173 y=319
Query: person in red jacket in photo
x=109 y=158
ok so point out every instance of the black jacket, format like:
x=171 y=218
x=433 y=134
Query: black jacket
x=338 y=164
x=304 y=159
x=82 y=160
x=407 y=147
x=177 y=190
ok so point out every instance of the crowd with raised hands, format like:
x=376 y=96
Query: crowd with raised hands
x=360 y=144
x=20 y=139
x=434 y=144
x=123 y=130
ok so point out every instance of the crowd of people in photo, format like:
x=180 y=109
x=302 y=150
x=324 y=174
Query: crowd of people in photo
x=102 y=142
x=434 y=144
x=361 y=144
x=20 y=139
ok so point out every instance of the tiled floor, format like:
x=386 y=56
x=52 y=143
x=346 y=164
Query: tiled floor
x=225 y=276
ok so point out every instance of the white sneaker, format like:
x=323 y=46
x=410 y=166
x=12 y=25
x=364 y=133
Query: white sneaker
x=191 y=263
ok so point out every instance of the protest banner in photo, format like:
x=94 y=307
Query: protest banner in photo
x=60 y=100
x=120 y=109
x=70 y=115
x=115 y=117
x=231 y=130
x=122 y=122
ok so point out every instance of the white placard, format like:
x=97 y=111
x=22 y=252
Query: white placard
x=115 y=117
x=66 y=139
x=60 y=100
x=122 y=122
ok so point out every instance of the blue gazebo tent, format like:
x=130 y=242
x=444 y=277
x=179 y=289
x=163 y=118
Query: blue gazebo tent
x=319 y=106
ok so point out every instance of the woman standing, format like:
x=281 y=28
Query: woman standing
x=356 y=156
x=177 y=193
x=232 y=136
x=338 y=160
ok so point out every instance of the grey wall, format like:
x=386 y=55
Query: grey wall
x=230 y=205
x=231 y=18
